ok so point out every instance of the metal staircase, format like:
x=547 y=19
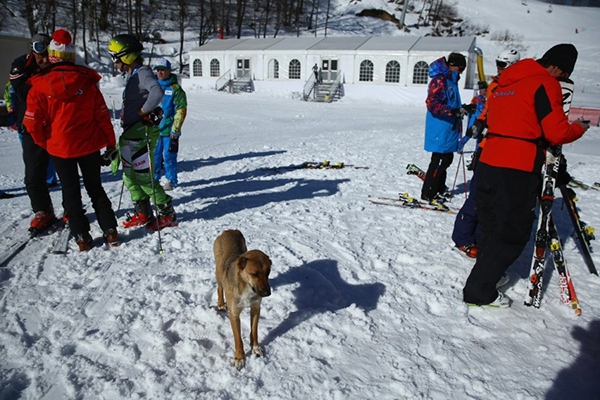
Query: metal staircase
x=323 y=91
x=229 y=82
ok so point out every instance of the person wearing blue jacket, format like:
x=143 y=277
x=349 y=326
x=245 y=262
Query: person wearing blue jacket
x=442 y=123
x=174 y=105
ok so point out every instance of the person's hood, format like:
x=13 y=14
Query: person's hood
x=440 y=67
x=64 y=80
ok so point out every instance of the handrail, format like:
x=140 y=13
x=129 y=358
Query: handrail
x=335 y=86
x=223 y=80
x=308 y=86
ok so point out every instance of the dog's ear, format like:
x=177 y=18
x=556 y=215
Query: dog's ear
x=241 y=263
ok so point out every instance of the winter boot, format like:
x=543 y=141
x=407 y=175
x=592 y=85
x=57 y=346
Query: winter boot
x=41 y=221
x=84 y=241
x=166 y=217
x=470 y=250
x=141 y=216
x=112 y=237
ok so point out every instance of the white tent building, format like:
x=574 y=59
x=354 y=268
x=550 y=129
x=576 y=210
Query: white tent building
x=12 y=47
x=389 y=60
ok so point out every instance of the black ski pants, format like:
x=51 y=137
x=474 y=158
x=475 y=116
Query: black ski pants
x=67 y=169
x=36 y=164
x=505 y=200
x=435 y=181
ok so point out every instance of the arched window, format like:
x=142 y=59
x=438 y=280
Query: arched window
x=197 y=68
x=365 y=73
x=215 y=68
x=392 y=72
x=420 y=73
x=274 y=69
x=295 y=71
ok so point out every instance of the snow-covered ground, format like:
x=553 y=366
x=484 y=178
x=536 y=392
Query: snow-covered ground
x=366 y=299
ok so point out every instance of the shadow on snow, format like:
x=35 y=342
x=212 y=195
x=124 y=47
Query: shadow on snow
x=581 y=379
x=321 y=289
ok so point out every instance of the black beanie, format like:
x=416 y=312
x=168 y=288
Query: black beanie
x=562 y=56
x=457 y=60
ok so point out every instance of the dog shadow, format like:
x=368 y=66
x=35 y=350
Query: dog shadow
x=321 y=290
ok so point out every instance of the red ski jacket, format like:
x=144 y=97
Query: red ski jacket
x=66 y=112
x=525 y=115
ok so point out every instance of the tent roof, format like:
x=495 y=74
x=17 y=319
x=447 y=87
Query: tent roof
x=340 y=43
x=300 y=43
x=350 y=43
x=454 y=43
x=389 y=43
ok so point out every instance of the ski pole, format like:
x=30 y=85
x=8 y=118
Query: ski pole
x=456 y=176
x=121 y=195
x=160 y=249
x=465 y=177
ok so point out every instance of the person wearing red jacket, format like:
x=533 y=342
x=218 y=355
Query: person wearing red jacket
x=67 y=115
x=525 y=115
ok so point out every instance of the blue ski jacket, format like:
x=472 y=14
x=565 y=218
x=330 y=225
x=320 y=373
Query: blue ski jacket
x=174 y=105
x=442 y=129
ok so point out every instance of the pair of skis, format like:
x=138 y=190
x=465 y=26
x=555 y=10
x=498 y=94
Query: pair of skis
x=584 y=232
x=546 y=236
x=316 y=165
x=574 y=183
x=20 y=241
x=404 y=200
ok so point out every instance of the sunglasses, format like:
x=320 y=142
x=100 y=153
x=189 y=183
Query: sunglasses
x=161 y=69
x=501 y=64
x=39 y=47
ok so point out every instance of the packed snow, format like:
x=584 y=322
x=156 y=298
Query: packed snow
x=366 y=299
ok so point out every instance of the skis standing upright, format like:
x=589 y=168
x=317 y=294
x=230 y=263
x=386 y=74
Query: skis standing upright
x=584 y=232
x=546 y=235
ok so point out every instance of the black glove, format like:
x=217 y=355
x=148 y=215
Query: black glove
x=174 y=146
x=109 y=155
x=470 y=108
x=153 y=118
x=474 y=159
x=476 y=129
x=458 y=112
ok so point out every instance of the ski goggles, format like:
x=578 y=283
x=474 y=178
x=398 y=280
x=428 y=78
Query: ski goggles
x=39 y=47
x=116 y=57
x=501 y=64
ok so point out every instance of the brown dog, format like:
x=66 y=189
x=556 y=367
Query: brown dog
x=244 y=276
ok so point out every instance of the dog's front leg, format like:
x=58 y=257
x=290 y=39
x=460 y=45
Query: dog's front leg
x=220 y=298
x=234 y=318
x=254 y=317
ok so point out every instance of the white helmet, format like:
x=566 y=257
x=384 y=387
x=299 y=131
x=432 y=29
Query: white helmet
x=507 y=57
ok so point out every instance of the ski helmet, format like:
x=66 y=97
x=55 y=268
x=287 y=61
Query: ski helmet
x=125 y=48
x=507 y=57
x=40 y=43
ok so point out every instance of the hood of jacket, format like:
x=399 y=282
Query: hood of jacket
x=440 y=67
x=64 y=80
